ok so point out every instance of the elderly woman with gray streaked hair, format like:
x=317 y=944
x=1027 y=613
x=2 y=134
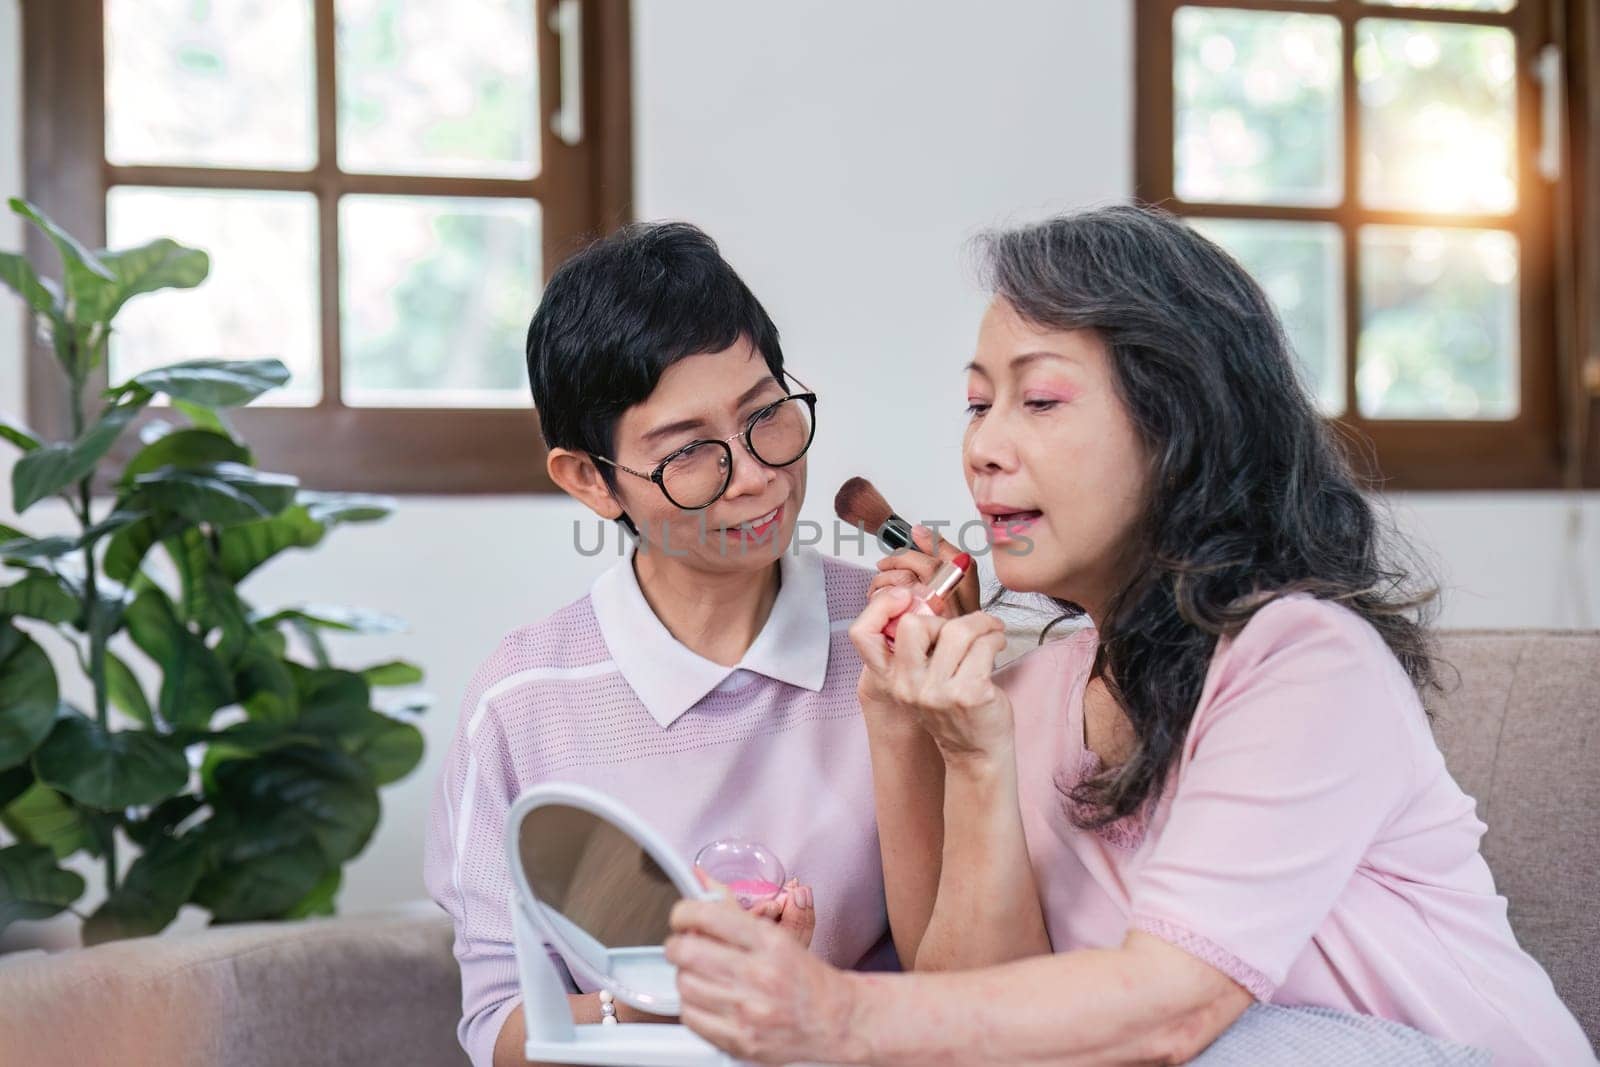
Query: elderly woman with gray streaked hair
x=1221 y=791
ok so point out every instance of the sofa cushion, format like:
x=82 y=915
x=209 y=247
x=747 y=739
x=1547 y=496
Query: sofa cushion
x=1520 y=730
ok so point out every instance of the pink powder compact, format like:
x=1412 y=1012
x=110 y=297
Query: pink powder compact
x=750 y=870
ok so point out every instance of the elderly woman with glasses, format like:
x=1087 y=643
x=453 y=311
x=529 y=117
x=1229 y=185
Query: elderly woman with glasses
x=706 y=679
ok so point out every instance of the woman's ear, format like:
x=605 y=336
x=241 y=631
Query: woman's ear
x=579 y=477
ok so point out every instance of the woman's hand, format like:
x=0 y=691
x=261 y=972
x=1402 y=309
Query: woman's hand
x=794 y=910
x=943 y=671
x=914 y=571
x=866 y=633
x=748 y=987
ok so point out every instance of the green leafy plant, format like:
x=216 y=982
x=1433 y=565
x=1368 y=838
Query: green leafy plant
x=250 y=776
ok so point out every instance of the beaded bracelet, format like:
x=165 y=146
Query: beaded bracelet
x=608 y=1008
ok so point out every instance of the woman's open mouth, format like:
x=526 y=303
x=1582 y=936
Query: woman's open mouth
x=1005 y=525
x=759 y=528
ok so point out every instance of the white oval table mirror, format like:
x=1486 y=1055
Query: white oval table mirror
x=596 y=883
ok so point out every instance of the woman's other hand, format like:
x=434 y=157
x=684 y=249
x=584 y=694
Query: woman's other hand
x=794 y=910
x=914 y=571
x=747 y=986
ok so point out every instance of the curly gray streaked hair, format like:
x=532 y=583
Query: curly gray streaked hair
x=1249 y=496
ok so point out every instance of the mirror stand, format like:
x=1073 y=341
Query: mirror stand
x=552 y=1036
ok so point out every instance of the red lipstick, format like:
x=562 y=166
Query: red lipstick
x=944 y=582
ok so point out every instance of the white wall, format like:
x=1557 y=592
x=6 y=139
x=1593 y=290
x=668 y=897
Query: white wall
x=842 y=152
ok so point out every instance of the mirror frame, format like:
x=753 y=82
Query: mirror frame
x=676 y=867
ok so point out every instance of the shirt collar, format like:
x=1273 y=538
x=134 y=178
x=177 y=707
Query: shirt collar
x=670 y=678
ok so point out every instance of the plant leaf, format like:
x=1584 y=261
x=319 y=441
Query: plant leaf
x=223 y=494
x=214 y=383
x=334 y=703
x=313 y=639
x=319 y=793
x=28 y=695
x=19 y=435
x=41 y=596
x=332 y=617
x=247 y=546
x=25 y=548
x=14 y=782
x=163 y=819
x=72 y=252
x=327 y=697
x=18 y=273
x=125 y=692
x=42 y=816
x=58 y=545
x=265 y=686
x=131 y=544
x=32 y=886
x=322 y=900
x=265 y=884
x=256 y=738
x=395 y=672
x=194 y=682
x=389 y=748
x=191 y=558
x=159 y=264
x=330 y=509
x=205 y=418
x=157 y=884
x=51 y=468
x=109 y=770
x=185 y=450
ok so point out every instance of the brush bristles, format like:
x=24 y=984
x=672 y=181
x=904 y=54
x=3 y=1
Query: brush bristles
x=859 y=503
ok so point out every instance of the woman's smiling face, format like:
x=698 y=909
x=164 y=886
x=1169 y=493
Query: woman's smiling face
x=710 y=396
x=1052 y=458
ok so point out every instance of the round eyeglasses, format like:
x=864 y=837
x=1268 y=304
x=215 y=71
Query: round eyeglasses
x=695 y=476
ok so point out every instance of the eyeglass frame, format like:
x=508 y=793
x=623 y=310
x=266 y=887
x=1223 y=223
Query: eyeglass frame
x=658 y=474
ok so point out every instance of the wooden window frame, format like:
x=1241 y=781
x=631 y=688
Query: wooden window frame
x=584 y=190
x=1525 y=452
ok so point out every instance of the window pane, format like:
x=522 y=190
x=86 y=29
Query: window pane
x=194 y=83
x=1438 y=116
x=438 y=88
x=436 y=298
x=1257 y=102
x=1457 y=5
x=1438 y=324
x=1300 y=265
x=260 y=299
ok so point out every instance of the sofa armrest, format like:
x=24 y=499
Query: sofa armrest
x=380 y=989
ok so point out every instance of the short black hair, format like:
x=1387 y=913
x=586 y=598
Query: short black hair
x=621 y=311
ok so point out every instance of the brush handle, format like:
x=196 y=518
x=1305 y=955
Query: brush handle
x=896 y=533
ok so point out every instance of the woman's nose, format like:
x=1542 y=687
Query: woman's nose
x=988 y=446
x=750 y=475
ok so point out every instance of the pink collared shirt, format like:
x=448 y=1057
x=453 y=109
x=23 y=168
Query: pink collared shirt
x=601 y=694
x=1310 y=843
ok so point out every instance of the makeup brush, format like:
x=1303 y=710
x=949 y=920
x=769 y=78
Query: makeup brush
x=859 y=503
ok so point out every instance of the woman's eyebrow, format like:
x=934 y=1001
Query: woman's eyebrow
x=682 y=425
x=672 y=428
x=756 y=390
x=1022 y=360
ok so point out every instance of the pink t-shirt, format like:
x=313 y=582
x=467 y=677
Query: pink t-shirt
x=1310 y=843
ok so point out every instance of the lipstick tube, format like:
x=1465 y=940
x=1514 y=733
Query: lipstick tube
x=945 y=580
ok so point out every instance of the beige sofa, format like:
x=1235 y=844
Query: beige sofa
x=1521 y=732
